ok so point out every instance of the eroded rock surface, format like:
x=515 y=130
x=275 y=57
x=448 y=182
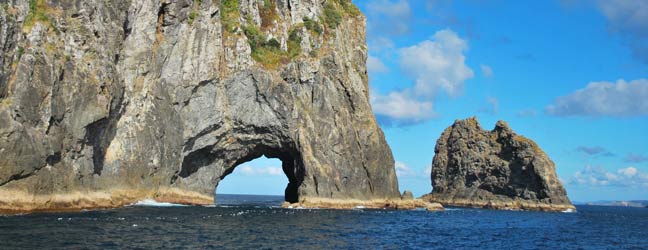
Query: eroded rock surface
x=494 y=169
x=104 y=102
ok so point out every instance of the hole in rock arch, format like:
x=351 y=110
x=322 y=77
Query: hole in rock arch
x=269 y=173
x=262 y=176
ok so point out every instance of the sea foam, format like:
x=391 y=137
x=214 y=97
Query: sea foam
x=154 y=203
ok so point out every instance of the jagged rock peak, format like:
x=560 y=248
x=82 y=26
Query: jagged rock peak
x=496 y=169
x=502 y=125
x=104 y=102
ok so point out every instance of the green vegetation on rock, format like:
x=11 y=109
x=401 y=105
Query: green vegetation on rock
x=350 y=8
x=194 y=11
x=38 y=12
x=336 y=10
x=268 y=52
x=332 y=16
x=19 y=53
x=294 y=43
x=229 y=15
x=268 y=13
x=312 y=26
x=192 y=16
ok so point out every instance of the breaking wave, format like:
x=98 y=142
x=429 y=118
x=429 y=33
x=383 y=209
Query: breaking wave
x=154 y=203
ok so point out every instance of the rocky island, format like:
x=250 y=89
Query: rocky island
x=107 y=102
x=495 y=169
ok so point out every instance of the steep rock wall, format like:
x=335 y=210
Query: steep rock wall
x=494 y=169
x=104 y=102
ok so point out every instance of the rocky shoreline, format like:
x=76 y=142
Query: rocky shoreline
x=323 y=203
x=19 y=202
x=514 y=205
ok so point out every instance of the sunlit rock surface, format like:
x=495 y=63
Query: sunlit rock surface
x=106 y=102
x=494 y=169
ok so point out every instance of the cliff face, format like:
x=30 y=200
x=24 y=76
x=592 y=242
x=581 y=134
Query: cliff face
x=495 y=169
x=103 y=102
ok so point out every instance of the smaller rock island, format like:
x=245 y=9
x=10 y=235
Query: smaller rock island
x=495 y=169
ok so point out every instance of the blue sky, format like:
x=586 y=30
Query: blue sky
x=570 y=74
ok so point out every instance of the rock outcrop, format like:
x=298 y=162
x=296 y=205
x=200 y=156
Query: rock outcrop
x=494 y=169
x=105 y=102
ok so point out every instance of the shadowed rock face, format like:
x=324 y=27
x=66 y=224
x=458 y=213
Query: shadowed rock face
x=496 y=169
x=103 y=102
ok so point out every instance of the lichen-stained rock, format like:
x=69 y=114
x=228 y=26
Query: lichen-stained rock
x=104 y=102
x=494 y=169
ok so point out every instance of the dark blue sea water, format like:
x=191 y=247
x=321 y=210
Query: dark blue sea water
x=260 y=224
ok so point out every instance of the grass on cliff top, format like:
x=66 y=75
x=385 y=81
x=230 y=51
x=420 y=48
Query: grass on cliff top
x=349 y=8
x=336 y=10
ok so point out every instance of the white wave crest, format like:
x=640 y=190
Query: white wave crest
x=154 y=203
x=569 y=210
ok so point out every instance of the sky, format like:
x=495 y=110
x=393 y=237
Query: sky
x=571 y=75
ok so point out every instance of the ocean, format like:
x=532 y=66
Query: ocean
x=257 y=222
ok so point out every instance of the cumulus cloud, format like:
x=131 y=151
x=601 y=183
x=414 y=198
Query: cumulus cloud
x=636 y=158
x=629 y=18
x=629 y=171
x=437 y=66
x=375 y=65
x=594 y=151
x=261 y=171
x=598 y=176
x=486 y=70
x=387 y=16
x=402 y=107
x=604 y=99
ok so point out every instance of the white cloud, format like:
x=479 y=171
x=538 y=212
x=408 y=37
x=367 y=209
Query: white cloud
x=402 y=106
x=629 y=18
x=404 y=171
x=374 y=65
x=437 y=66
x=261 y=171
x=629 y=171
x=486 y=70
x=597 y=176
x=389 y=16
x=605 y=99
